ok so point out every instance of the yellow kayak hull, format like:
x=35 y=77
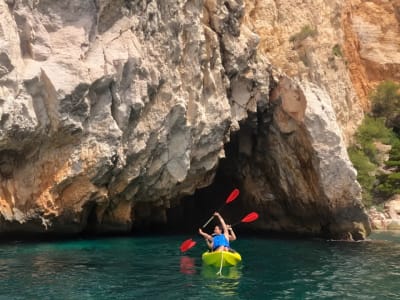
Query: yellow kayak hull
x=227 y=258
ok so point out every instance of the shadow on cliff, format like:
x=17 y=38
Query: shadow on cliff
x=195 y=210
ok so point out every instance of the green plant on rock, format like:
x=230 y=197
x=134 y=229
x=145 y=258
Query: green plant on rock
x=389 y=184
x=386 y=103
x=394 y=156
x=370 y=131
x=337 y=51
x=364 y=157
x=374 y=129
x=305 y=32
x=364 y=169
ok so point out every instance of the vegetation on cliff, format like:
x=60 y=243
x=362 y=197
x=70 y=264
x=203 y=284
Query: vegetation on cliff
x=305 y=32
x=379 y=170
x=386 y=104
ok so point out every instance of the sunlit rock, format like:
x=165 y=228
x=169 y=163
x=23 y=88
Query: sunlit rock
x=113 y=111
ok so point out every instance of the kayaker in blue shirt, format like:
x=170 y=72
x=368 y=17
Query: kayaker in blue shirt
x=219 y=241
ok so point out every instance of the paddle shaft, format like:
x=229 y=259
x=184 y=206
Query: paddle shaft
x=209 y=220
x=188 y=244
x=232 y=196
x=212 y=217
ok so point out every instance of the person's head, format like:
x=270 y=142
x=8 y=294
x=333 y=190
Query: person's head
x=217 y=229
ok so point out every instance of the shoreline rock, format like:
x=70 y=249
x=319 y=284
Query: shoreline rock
x=389 y=219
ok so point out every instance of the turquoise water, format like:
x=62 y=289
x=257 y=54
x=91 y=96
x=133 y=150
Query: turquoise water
x=153 y=268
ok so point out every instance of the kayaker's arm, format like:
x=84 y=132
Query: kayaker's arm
x=205 y=235
x=232 y=235
x=223 y=224
x=209 y=244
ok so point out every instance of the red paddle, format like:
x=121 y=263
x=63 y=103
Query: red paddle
x=251 y=217
x=232 y=196
x=189 y=243
x=186 y=245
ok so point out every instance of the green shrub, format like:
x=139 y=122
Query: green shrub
x=304 y=33
x=371 y=152
x=382 y=127
x=390 y=163
x=337 y=51
x=374 y=129
x=365 y=160
x=394 y=154
x=365 y=170
x=371 y=130
x=390 y=184
x=386 y=103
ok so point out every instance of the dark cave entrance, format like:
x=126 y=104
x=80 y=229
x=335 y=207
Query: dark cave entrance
x=194 y=210
x=191 y=212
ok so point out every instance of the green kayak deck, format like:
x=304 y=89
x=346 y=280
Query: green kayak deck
x=228 y=258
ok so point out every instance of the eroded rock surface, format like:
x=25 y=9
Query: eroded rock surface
x=297 y=155
x=112 y=111
x=372 y=43
x=305 y=40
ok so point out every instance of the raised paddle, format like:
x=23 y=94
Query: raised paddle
x=190 y=243
x=251 y=217
x=232 y=196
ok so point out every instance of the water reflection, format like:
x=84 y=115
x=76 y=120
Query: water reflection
x=210 y=272
x=187 y=265
x=226 y=284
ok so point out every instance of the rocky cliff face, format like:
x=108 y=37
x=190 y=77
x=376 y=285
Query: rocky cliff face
x=372 y=43
x=113 y=111
x=305 y=40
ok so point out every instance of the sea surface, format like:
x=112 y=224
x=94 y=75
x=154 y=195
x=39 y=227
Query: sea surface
x=153 y=268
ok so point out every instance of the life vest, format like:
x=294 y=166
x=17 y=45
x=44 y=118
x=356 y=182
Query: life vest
x=220 y=240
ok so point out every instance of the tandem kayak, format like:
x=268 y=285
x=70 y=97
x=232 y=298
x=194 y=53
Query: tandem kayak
x=228 y=258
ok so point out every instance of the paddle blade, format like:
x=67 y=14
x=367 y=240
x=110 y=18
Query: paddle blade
x=232 y=196
x=250 y=217
x=186 y=245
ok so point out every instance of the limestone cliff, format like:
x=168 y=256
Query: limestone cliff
x=304 y=39
x=372 y=43
x=113 y=111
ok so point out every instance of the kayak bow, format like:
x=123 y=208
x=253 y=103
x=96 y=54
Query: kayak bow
x=228 y=258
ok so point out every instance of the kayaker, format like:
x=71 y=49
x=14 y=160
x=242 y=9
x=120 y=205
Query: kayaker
x=219 y=241
x=232 y=237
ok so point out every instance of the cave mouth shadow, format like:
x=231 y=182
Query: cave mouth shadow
x=194 y=210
